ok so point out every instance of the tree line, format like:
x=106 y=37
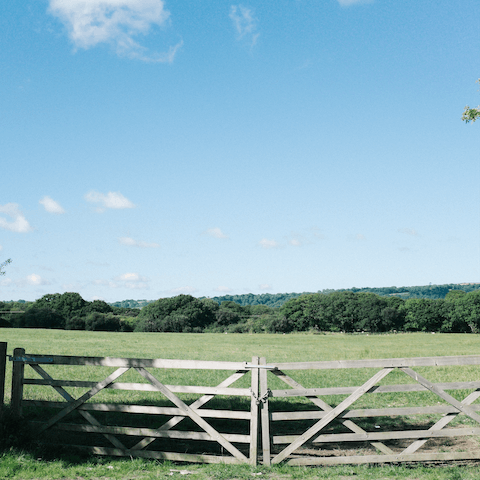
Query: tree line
x=339 y=311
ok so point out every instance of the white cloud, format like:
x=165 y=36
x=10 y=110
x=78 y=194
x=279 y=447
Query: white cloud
x=132 y=281
x=408 y=231
x=114 y=200
x=216 y=233
x=296 y=240
x=222 y=289
x=265 y=243
x=265 y=286
x=135 y=243
x=36 y=280
x=114 y=22
x=131 y=277
x=360 y=237
x=51 y=205
x=186 y=290
x=5 y=282
x=19 y=224
x=245 y=23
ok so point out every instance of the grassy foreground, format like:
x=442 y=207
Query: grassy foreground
x=276 y=348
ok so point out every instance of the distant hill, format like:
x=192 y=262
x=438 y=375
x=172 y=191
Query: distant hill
x=276 y=300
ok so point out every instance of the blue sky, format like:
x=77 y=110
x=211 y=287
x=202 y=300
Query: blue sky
x=150 y=148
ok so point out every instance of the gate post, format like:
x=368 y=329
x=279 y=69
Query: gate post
x=3 y=364
x=265 y=413
x=17 y=382
x=254 y=414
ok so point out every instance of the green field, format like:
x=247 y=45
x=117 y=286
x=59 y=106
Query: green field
x=234 y=347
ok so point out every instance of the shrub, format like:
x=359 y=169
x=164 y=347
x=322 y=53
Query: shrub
x=99 y=322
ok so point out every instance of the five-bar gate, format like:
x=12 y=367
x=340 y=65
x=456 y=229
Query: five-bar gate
x=398 y=410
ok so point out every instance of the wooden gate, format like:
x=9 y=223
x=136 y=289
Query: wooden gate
x=397 y=410
x=333 y=428
x=139 y=441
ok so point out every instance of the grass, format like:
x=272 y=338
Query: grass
x=234 y=347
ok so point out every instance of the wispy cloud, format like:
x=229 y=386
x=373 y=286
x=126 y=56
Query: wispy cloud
x=244 y=23
x=222 y=289
x=131 y=277
x=36 y=280
x=189 y=290
x=265 y=286
x=408 y=231
x=265 y=243
x=216 y=233
x=114 y=22
x=114 y=200
x=19 y=223
x=50 y=205
x=131 y=280
x=296 y=240
x=137 y=243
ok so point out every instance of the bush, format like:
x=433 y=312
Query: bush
x=38 y=317
x=182 y=313
x=75 y=323
x=99 y=322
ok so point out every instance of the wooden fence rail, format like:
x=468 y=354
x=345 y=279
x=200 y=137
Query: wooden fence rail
x=297 y=420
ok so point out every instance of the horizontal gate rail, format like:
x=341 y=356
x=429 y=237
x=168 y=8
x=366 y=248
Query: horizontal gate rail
x=162 y=420
x=310 y=424
x=317 y=443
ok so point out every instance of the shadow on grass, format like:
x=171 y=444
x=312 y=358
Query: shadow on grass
x=60 y=443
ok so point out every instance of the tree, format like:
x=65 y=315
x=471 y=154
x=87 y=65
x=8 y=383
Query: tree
x=471 y=114
x=3 y=265
x=182 y=313
x=68 y=304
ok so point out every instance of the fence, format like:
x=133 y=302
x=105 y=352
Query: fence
x=392 y=422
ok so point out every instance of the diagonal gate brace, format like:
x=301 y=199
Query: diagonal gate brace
x=86 y=415
x=193 y=415
x=331 y=415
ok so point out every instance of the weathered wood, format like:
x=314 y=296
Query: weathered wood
x=134 y=362
x=443 y=422
x=75 y=404
x=265 y=414
x=144 y=409
x=195 y=405
x=372 y=412
x=382 y=363
x=193 y=415
x=443 y=395
x=254 y=413
x=18 y=372
x=327 y=408
x=114 y=441
x=143 y=387
x=331 y=415
x=3 y=364
x=391 y=435
x=142 y=432
x=401 y=387
x=174 y=457
x=355 y=460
